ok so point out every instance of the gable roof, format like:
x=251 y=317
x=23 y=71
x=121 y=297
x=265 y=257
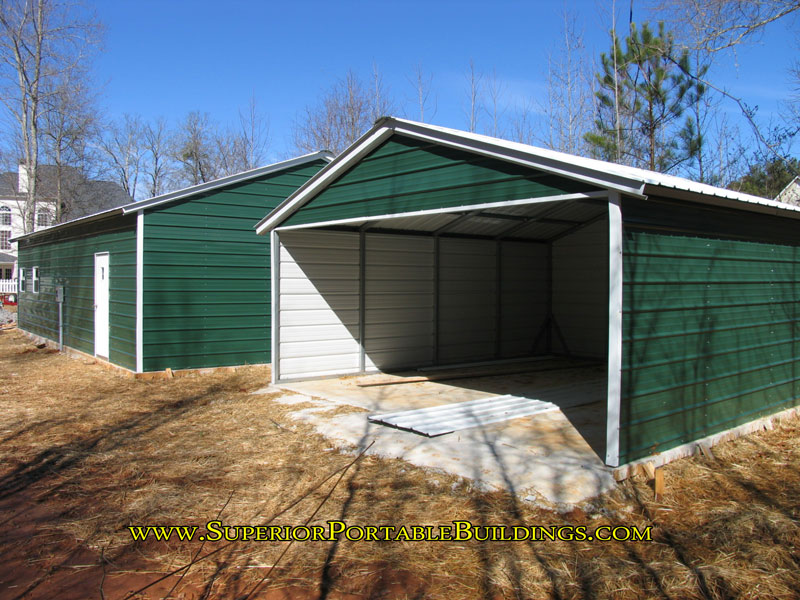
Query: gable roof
x=189 y=191
x=791 y=193
x=627 y=180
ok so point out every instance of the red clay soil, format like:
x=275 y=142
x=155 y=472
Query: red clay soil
x=39 y=563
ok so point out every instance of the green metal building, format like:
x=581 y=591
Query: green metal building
x=177 y=281
x=421 y=245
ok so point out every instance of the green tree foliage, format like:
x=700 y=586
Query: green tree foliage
x=767 y=178
x=644 y=91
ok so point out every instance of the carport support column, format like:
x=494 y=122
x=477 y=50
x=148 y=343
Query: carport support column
x=139 y=291
x=614 y=328
x=362 y=277
x=275 y=296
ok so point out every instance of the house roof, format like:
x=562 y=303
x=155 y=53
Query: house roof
x=187 y=192
x=628 y=180
x=7 y=258
x=792 y=190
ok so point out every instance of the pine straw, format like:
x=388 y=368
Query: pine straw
x=110 y=452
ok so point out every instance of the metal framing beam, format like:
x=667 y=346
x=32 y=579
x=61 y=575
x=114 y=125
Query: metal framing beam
x=614 y=398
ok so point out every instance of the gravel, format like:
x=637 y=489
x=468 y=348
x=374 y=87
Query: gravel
x=7 y=316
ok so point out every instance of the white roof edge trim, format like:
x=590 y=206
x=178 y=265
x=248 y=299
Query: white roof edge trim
x=182 y=193
x=315 y=184
x=223 y=181
x=643 y=176
x=600 y=195
x=630 y=181
x=631 y=187
x=86 y=219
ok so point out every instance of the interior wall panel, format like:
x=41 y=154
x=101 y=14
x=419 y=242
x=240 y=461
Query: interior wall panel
x=523 y=293
x=467 y=300
x=580 y=290
x=399 y=301
x=319 y=303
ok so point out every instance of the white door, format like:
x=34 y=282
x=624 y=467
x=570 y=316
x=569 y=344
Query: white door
x=101 y=305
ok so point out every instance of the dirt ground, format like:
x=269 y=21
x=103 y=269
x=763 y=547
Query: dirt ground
x=86 y=453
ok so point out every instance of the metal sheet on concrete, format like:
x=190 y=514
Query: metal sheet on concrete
x=439 y=420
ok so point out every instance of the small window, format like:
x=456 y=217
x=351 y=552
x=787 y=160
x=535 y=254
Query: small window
x=44 y=218
x=8 y=273
x=5 y=244
x=35 y=279
x=5 y=215
x=21 y=281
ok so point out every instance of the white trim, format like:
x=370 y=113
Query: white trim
x=629 y=186
x=223 y=181
x=108 y=302
x=139 y=291
x=452 y=209
x=186 y=192
x=628 y=180
x=275 y=287
x=614 y=328
x=318 y=182
x=691 y=448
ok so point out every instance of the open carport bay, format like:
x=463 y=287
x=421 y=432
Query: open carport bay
x=554 y=456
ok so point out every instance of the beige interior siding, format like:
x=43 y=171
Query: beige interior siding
x=318 y=318
x=523 y=296
x=580 y=290
x=399 y=303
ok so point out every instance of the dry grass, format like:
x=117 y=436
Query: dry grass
x=109 y=452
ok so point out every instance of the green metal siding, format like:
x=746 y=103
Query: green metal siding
x=405 y=174
x=67 y=259
x=207 y=275
x=710 y=332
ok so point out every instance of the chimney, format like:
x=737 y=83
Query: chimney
x=22 y=179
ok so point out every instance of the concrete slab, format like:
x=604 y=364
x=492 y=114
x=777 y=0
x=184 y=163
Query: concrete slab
x=551 y=458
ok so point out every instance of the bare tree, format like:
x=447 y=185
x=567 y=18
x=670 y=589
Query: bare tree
x=473 y=78
x=253 y=137
x=122 y=147
x=195 y=148
x=341 y=115
x=522 y=123
x=39 y=40
x=495 y=91
x=422 y=91
x=714 y=27
x=717 y=25
x=570 y=92
x=69 y=123
x=159 y=165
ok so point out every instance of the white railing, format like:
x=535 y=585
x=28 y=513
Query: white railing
x=8 y=286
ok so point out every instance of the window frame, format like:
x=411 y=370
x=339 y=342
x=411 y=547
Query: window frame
x=5 y=244
x=5 y=215
x=35 y=280
x=22 y=280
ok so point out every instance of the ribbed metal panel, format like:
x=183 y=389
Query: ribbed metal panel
x=399 y=301
x=67 y=258
x=580 y=289
x=523 y=296
x=319 y=303
x=206 y=275
x=407 y=175
x=710 y=336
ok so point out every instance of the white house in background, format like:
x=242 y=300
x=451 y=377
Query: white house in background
x=791 y=193
x=85 y=197
x=13 y=187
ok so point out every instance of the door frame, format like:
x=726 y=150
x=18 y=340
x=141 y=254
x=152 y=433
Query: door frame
x=104 y=341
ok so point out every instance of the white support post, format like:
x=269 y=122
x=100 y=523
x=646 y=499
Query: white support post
x=139 y=291
x=275 y=286
x=614 y=328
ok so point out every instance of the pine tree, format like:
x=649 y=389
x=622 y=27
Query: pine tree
x=644 y=90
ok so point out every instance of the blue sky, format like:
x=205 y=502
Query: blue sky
x=167 y=57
